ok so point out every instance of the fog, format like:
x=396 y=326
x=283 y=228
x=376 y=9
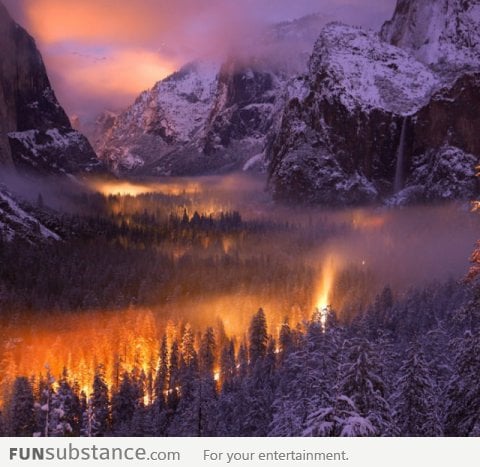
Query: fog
x=147 y=258
x=400 y=247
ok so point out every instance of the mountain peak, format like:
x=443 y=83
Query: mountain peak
x=444 y=34
x=364 y=71
x=35 y=132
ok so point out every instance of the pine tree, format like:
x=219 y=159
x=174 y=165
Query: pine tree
x=124 y=404
x=261 y=392
x=207 y=352
x=206 y=388
x=186 y=421
x=258 y=337
x=65 y=407
x=21 y=410
x=174 y=379
x=227 y=367
x=415 y=399
x=188 y=345
x=463 y=394
x=339 y=419
x=45 y=413
x=306 y=379
x=361 y=383
x=159 y=412
x=99 y=405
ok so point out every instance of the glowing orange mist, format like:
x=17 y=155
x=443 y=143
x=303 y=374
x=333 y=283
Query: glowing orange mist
x=120 y=341
x=325 y=284
x=126 y=188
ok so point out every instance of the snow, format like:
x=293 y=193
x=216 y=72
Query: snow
x=28 y=139
x=441 y=33
x=174 y=111
x=14 y=218
x=363 y=71
x=253 y=162
x=442 y=174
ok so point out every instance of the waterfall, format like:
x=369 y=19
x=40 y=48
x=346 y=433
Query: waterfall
x=399 y=171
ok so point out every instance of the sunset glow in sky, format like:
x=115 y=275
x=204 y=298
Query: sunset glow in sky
x=102 y=53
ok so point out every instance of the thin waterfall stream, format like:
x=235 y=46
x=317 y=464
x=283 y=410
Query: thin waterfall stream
x=400 y=168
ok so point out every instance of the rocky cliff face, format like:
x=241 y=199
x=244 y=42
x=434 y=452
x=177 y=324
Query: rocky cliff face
x=35 y=133
x=169 y=117
x=205 y=118
x=342 y=125
x=210 y=117
x=371 y=120
x=440 y=33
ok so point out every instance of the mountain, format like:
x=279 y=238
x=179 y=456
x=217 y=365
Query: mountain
x=341 y=125
x=169 y=116
x=35 y=132
x=209 y=116
x=441 y=33
x=384 y=120
x=369 y=117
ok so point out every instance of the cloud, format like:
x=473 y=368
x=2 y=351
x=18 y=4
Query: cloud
x=109 y=80
x=107 y=51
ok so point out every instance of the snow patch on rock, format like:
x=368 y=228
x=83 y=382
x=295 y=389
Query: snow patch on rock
x=365 y=72
x=14 y=220
x=444 y=34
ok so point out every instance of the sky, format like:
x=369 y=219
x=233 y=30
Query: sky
x=100 y=54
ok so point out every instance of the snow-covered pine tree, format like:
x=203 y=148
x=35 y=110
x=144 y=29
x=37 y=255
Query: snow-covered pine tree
x=65 y=408
x=361 y=382
x=415 y=401
x=159 y=412
x=339 y=419
x=185 y=421
x=45 y=405
x=306 y=379
x=261 y=386
x=463 y=394
x=173 y=379
x=124 y=404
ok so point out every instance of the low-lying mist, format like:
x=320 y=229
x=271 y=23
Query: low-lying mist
x=150 y=257
x=402 y=247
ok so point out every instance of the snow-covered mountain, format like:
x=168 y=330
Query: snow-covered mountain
x=169 y=116
x=209 y=116
x=360 y=121
x=373 y=118
x=442 y=33
x=343 y=119
x=35 y=133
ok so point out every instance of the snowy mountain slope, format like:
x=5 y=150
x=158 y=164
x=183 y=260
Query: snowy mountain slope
x=170 y=115
x=53 y=151
x=341 y=125
x=210 y=117
x=15 y=221
x=35 y=133
x=442 y=33
x=206 y=117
